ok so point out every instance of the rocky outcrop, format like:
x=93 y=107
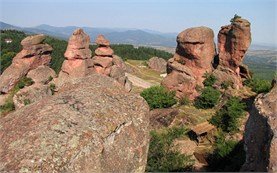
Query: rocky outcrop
x=33 y=54
x=31 y=94
x=42 y=75
x=157 y=64
x=106 y=63
x=260 y=136
x=79 y=63
x=160 y=118
x=192 y=59
x=93 y=125
x=233 y=42
x=78 y=56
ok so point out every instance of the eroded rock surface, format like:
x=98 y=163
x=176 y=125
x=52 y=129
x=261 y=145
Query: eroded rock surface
x=31 y=94
x=42 y=74
x=106 y=63
x=157 y=64
x=192 y=59
x=33 y=54
x=261 y=134
x=233 y=42
x=77 y=57
x=93 y=125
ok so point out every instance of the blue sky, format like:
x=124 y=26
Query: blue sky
x=160 y=15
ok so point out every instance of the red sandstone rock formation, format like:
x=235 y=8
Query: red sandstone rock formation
x=106 y=63
x=79 y=63
x=260 y=138
x=77 y=56
x=157 y=64
x=93 y=126
x=193 y=58
x=233 y=42
x=34 y=54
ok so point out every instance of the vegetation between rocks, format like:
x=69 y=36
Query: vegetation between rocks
x=159 y=97
x=258 y=85
x=228 y=155
x=162 y=157
x=227 y=118
x=208 y=98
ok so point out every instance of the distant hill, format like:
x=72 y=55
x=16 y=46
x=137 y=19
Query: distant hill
x=115 y=35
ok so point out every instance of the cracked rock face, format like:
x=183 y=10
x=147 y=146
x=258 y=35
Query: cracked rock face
x=33 y=54
x=192 y=59
x=92 y=125
x=260 y=136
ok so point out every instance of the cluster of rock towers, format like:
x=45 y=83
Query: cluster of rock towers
x=79 y=63
x=196 y=55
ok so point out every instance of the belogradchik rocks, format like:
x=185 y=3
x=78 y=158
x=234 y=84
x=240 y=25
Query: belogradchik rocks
x=93 y=125
x=233 y=42
x=260 y=136
x=106 y=63
x=196 y=55
x=33 y=54
x=41 y=76
x=79 y=63
x=192 y=59
x=157 y=64
x=77 y=57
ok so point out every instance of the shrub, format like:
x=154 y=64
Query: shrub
x=223 y=147
x=227 y=117
x=228 y=156
x=210 y=79
x=159 y=97
x=52 y=88
x=26 y=102
x=258 y=85
x=162 y=157
x=226 y=84
x=7 y=107
x=25 y=82
x=184 y=101
x=208 y=98
x=235 y=17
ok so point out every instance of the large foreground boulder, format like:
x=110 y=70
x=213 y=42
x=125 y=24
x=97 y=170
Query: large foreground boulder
x=260 y=136
x=92 y=125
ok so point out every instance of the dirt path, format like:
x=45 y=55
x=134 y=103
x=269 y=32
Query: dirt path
x=138 y=81
x=139 y=70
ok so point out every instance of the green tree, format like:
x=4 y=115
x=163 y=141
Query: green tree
x=208 y=98
x=227 y=117
x=258 y=85
x=6 y=60
x=162 y=157
x=210 y=79
x=158 y=97
x=234 y=18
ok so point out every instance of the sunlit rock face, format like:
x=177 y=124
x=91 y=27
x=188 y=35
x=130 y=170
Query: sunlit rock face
x=193 y=58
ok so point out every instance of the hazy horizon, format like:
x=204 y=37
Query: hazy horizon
x=159 y=15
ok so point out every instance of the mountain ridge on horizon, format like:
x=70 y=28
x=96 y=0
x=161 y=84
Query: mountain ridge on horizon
x=116 y=35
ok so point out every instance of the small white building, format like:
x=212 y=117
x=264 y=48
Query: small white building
x=8 y=40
